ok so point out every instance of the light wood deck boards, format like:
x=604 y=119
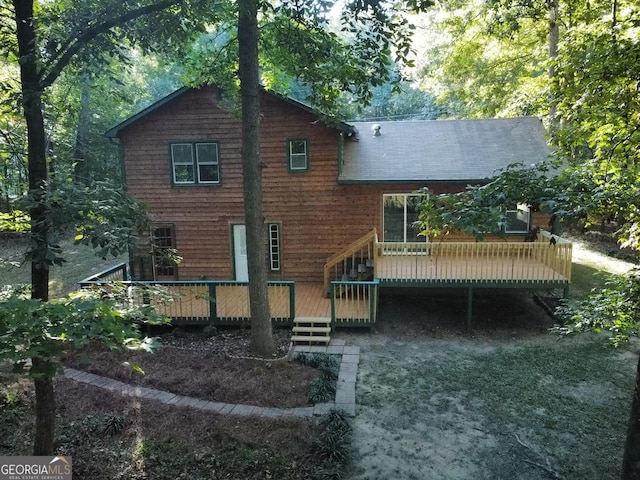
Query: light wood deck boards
x=192 y=301
x=430 y=269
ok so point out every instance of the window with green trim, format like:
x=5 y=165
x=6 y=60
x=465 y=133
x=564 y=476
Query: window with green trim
x=298 y=155
x=195 y=163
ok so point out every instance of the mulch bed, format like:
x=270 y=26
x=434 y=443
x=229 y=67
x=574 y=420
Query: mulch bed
x=211 y=368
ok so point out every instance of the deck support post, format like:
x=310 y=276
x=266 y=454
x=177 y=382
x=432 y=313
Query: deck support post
x=469 y=309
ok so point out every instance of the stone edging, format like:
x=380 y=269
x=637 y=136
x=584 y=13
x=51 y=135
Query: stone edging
x=345 y=389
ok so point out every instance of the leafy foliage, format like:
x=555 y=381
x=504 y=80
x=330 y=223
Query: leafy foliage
x=32 y=328
x=322 y=388
x=301 y=49
x=480 y=210
x=334 y=443
x=614 y=309
x=599 y=113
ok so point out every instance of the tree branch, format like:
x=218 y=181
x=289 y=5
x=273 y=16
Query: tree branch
x=75 y=44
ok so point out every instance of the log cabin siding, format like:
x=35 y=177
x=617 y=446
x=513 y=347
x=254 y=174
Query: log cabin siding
x=318 y=216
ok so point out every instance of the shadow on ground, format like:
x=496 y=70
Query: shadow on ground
x=436 y=313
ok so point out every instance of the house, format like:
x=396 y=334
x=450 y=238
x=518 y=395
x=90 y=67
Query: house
x=332 y=192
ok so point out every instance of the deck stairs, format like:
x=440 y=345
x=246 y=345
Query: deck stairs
x=311 y=330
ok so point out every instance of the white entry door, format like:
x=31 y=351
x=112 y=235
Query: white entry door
x=240 y=253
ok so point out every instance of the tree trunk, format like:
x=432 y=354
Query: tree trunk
x=631 y=458
x=261 y=334
x=81 y=148
x=44 y=442
x=554 y=38
x=32 y=105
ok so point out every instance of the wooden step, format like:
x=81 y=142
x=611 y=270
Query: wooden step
x=307 y=339
x=298 y=328
x=312 y=320
x=310 y=330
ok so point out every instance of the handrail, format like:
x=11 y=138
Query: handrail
x=370 y=238
x=219 y=302
x=419 y=261
x=109 y=274
x=354 y=303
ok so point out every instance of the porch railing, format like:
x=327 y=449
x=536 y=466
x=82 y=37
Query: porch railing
x=546 y=259
x=354 y=303
x=117 y=273
x=204 y=302
x=345 y=264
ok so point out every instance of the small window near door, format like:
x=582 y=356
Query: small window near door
x=164 y=251
x=274 y=246
x=298 y=155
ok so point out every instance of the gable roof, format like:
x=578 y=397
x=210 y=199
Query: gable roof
x=441 y=150
x=115 y=131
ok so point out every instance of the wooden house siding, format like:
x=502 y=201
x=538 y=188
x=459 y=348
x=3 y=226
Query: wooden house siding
x=317 y=215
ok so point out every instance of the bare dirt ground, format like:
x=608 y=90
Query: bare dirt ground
x=511 y=401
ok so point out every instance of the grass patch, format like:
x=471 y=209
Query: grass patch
x=81 y=262
x=566 y=400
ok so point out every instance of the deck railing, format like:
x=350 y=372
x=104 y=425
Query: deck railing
x=203 y=302
x=354 y=303
x=344 y=265
x=117 y=273
x=546 y=259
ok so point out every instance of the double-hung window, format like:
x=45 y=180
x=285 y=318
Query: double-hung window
x=298 y=155
x=195 y=163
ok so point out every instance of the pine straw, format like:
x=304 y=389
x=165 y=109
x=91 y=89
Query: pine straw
x=203 y=374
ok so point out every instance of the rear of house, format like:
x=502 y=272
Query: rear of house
x=325 y=185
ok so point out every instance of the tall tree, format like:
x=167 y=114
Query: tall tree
x=48 y=40
x=248 y=73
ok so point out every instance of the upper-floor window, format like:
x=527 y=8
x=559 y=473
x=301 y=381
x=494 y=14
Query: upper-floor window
x=298 y=155
x=194 y=163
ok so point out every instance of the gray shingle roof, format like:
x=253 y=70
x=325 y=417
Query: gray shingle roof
x=442 y=150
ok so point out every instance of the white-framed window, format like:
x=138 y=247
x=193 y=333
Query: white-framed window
x=195 y=163
x=400 y=213
x=274 y=246
x=297 y=155
x=518 y=220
